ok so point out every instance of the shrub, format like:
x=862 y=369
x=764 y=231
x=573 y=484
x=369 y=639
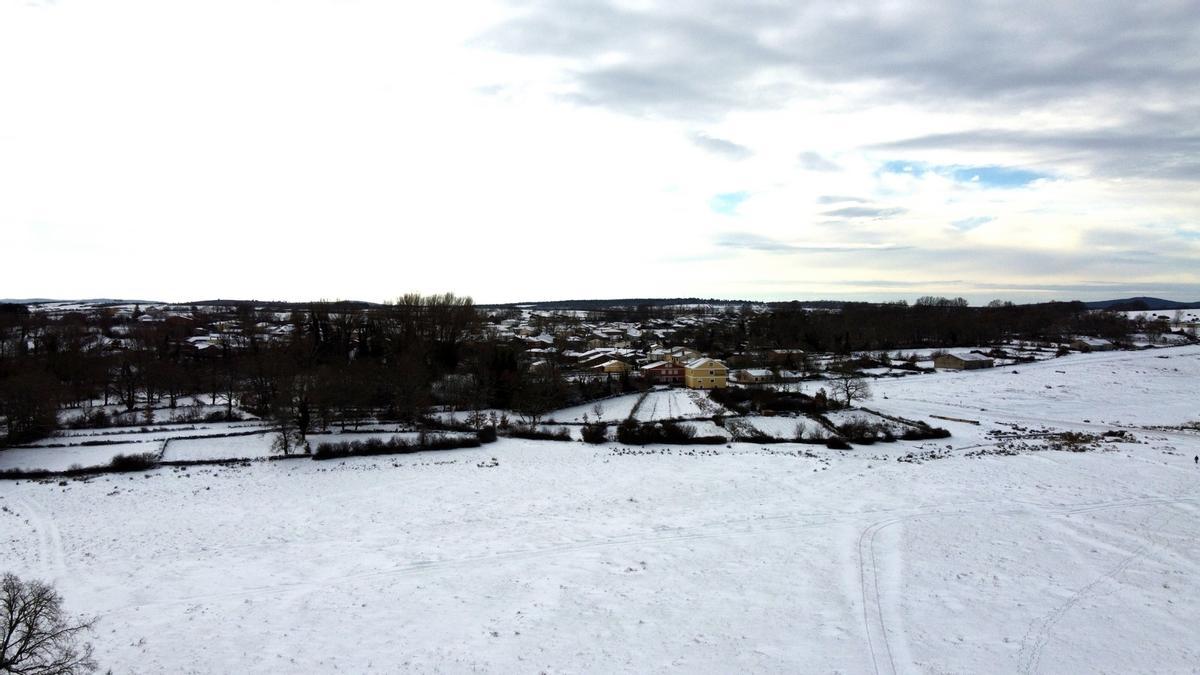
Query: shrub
x=630 y=432
x=535 y=434
x=486 y=435
x=595 y=433
x=865 y=432
x=393 y=446
x=836 y=443
x=135 y=462
x=923 y=431
x=450 y=425
x=443 y=442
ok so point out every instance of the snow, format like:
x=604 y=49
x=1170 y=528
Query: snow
x=674 y=404
x=779 y=426
x=611 y=410
x=257 y=446
x=61 y=459
x=141 y=434
x=968 y=356
x=564 y=557
x=1156 y=387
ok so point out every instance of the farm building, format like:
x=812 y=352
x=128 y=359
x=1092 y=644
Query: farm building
x=1091 y=344
x=752 y=376
x=785 y=356
x=963 y=361
x=705 y=373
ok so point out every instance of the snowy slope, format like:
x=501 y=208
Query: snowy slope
x=575 y=558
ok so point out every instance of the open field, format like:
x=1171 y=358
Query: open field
x=564 y=557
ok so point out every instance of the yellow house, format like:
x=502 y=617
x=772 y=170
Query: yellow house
x=705 y=373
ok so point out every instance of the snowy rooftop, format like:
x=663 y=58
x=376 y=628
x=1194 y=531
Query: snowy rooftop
x=971 y=357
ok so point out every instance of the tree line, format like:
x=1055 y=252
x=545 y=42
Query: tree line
x=326 y=364
x=323 y=364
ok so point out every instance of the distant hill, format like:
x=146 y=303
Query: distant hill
x=86 y=301
x=1141 y=303
x=618 y=303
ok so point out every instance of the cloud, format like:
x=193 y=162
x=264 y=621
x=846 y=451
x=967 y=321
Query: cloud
x=756 y=242
x=753 y=242
x=864 y=212
x=812 y=161
x=716 y=55
x=721 y=147
x=839 y=199
x=1162 y=146
x=705 y=60
x=967 y=224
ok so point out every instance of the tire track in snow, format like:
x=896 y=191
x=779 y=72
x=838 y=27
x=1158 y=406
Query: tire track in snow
x=1037 y=635
x=872 y=606
x=50 y=545
x=872 y=600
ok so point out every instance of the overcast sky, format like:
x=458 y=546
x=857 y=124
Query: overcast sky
x=308 y=149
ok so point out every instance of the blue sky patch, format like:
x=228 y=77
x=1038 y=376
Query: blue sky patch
x=897 y=166
x=995 y=176
x=727 y=203
x=987 y=176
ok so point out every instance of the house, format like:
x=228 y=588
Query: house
x=680 y=355
x=705 y=373
x=613 y=366
x=752 y=376
x=1091 y=344
x=663 y=372
x=963 y=361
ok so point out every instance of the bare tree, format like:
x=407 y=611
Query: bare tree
x=848 y=386
x=36 y=636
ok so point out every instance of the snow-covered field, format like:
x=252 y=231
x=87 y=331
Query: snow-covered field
x=62 y=459
x=572 y=558
x=655 y=405
x=612 y=409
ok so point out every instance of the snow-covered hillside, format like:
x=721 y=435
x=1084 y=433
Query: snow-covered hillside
x=564 y=557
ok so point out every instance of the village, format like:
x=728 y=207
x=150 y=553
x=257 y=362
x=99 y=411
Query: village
x=583 y=345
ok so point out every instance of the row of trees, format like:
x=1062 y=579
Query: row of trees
x=335 y=363
x=930 y=322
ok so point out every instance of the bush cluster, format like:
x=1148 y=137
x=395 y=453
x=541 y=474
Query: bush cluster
x=534 y=434
x=836 y=443
x=745 y=401
x=924 y=432
x=595 y=433
x=393 y=446
x=135 y=462
x=631 y=432
x=864 y=432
